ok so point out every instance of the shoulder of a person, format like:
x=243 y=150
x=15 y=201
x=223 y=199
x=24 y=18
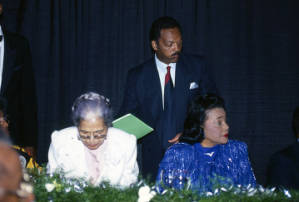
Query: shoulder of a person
x=143 y=66
x=193 y=64
x=236 y=144
x=287 y=151
x=120 y=137
x=180 y=148
x=14 y=36
x=179 y=152
x=192 y=57
x=65 y=134
x=291 y=148
x=16 y=41
x=281 y=157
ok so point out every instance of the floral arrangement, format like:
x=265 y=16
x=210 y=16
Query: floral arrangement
x=58 y=188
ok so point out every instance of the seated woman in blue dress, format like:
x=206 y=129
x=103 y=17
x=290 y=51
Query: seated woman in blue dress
x=205 y=158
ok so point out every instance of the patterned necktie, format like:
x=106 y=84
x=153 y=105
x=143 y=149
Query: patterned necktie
x=169 y=117
x=168 y=89
x=168 y=77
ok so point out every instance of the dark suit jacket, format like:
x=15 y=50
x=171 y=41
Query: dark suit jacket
x=283 y=168
x=18 y=87
x=143 y=98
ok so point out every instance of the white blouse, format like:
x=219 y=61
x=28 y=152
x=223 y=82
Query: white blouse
x=118 y=161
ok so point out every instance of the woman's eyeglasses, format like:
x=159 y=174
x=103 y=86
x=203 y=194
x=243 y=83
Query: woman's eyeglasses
x=87 y=135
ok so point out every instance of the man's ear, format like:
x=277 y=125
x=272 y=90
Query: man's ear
x=154 y=45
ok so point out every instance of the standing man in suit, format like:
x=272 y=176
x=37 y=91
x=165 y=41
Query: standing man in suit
x=159 y=90
x=283 y=168
x=17 y=86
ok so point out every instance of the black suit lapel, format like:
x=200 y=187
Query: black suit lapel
x=182 y=92
x=180 y=79
x=181 y=83
x=8 y=63
x=153 y=88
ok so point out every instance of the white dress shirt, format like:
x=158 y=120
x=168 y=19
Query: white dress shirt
x=162 y=70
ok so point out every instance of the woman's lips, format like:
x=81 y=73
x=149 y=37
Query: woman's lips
x=226 y=135
x=92 y=146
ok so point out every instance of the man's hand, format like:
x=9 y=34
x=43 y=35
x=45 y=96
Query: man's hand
x=175 y=139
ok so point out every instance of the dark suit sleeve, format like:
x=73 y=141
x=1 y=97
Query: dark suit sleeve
x=28 y=98
x=130 y=103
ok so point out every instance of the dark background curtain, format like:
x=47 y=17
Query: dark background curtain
x=89 y=45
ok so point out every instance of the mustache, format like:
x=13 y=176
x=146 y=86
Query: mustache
x=176 y=53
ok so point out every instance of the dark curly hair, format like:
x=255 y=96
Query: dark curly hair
x=196 y=115
x=164 y=22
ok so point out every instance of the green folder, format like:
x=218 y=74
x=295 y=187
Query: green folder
x=132 y=125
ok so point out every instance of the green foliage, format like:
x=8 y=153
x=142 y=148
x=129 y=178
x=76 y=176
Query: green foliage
x=73 y=190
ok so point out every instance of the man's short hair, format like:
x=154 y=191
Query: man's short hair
x=164 y=22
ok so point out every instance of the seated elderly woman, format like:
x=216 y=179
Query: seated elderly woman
x=92 y=149
x=205 y=158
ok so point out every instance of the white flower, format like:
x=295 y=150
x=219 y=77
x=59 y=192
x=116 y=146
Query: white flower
x=26 y=177
x=67 y=190
x=143 y=190
x=164 y=192
x=261 y=189
x=287 y=193
x=216 y=191
x=145 y=194
x=49 y=187
x=251 y=192
x=26 y=187
x=223 y=189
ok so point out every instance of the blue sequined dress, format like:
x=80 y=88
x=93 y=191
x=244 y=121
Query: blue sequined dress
x=204 y=169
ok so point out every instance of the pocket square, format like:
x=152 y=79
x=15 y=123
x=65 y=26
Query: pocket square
x=193 y=85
